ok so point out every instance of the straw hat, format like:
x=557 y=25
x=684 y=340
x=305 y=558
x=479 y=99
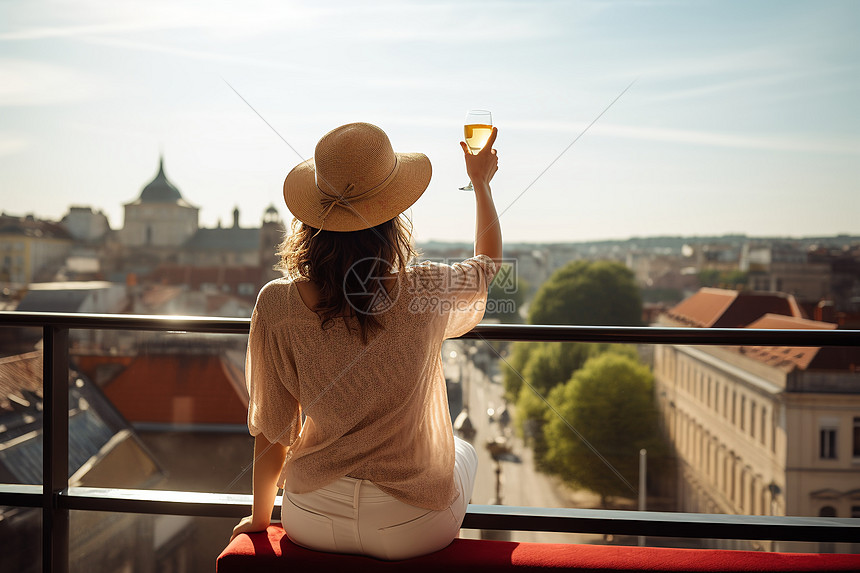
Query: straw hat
x=355 y=180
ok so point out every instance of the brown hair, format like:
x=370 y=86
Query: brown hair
x=340 y=262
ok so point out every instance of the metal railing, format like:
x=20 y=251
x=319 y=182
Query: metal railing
x=56 y=499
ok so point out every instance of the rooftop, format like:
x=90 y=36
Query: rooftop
x=160 y=190
x=31 y=227
x=790 y=358
x=723 y=308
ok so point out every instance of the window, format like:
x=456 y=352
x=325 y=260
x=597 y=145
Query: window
x=827 y=443
x=707 y=453
x=753 y=497
x=752 y=418
x=743 y=412
x=734 y=476
x=827 y=511
x=855 y=511
x=734 y=401
x=856 y=447
x=717 y=396
x=763 y=425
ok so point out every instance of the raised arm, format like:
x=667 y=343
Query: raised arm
x=481 y=167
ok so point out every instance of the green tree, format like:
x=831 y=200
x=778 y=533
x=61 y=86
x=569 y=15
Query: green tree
x=596 y=293
x=506 y=296
x=514 y=365
x=548 y=365
x=530 y=422
x=610 y=402
x=723 y=279
x=734 y=279
x=708 y=277
x=552 y=363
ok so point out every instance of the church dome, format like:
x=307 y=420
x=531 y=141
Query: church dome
x=160 y=190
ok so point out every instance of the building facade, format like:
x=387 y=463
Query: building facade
x=31 y=249
x=760 y=430
x=159 y=218
x=85 y=224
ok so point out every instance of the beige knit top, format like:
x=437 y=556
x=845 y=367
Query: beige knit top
x=378 y=411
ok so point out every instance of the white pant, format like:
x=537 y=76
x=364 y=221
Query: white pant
x=354 y=516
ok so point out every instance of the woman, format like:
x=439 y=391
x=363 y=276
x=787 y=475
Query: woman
x=347 y=395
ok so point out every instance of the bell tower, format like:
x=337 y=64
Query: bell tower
x=271 y=235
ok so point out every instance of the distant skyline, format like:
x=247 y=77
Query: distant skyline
x=744 y=118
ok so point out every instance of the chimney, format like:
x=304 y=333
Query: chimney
x=825 y=311
x=236 y=218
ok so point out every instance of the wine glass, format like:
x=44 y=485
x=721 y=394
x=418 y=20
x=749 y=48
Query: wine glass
x=478 y=127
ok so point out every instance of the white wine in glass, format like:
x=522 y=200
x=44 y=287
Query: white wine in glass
x=478 y=127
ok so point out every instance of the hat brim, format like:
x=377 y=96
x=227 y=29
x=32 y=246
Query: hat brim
x=303 y=197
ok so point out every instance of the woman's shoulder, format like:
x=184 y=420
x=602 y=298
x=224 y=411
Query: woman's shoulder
x=274 y=296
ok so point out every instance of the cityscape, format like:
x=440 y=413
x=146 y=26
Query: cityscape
x=738 y=430
x=665 y=165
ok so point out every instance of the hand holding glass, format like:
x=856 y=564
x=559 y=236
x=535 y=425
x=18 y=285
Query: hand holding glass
x=478 y=127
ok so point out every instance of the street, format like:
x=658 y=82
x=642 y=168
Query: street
x=520 y=484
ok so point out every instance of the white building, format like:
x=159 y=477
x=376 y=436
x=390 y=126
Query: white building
x=31 y=249
x=160 y=218
x=86 y=225
x=760 y=430
x=98 y=297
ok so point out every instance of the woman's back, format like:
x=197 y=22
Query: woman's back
x=375 y=411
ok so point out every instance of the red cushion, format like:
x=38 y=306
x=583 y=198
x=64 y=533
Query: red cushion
x=274 y=552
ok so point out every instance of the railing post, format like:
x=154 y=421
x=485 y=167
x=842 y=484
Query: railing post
x=55 y=448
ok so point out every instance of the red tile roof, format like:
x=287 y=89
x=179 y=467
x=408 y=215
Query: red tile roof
x=722 y=308
x=704 y=308
x=786 y=358
x=180 y=389
x=157 y=295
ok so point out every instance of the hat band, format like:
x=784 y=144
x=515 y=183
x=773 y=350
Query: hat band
x=329 y=201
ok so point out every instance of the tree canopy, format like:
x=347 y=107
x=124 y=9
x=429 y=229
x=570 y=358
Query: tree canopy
x=723 y=279
x=515 y=363
x=506 y=296
x=599 y=293
x=547 y=365
x=609 y=401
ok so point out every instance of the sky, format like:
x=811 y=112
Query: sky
x=743 y=116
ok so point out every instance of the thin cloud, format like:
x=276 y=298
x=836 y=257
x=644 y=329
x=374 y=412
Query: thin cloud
x=739 y=141
x=45 y=33
x=32 y=83
x=11 y=144
x=797 y=143
x=750 y=81
x=204 y=55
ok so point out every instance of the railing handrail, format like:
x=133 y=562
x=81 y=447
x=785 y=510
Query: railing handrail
x=498 y=517
x=56 y=499
x=524 y=332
